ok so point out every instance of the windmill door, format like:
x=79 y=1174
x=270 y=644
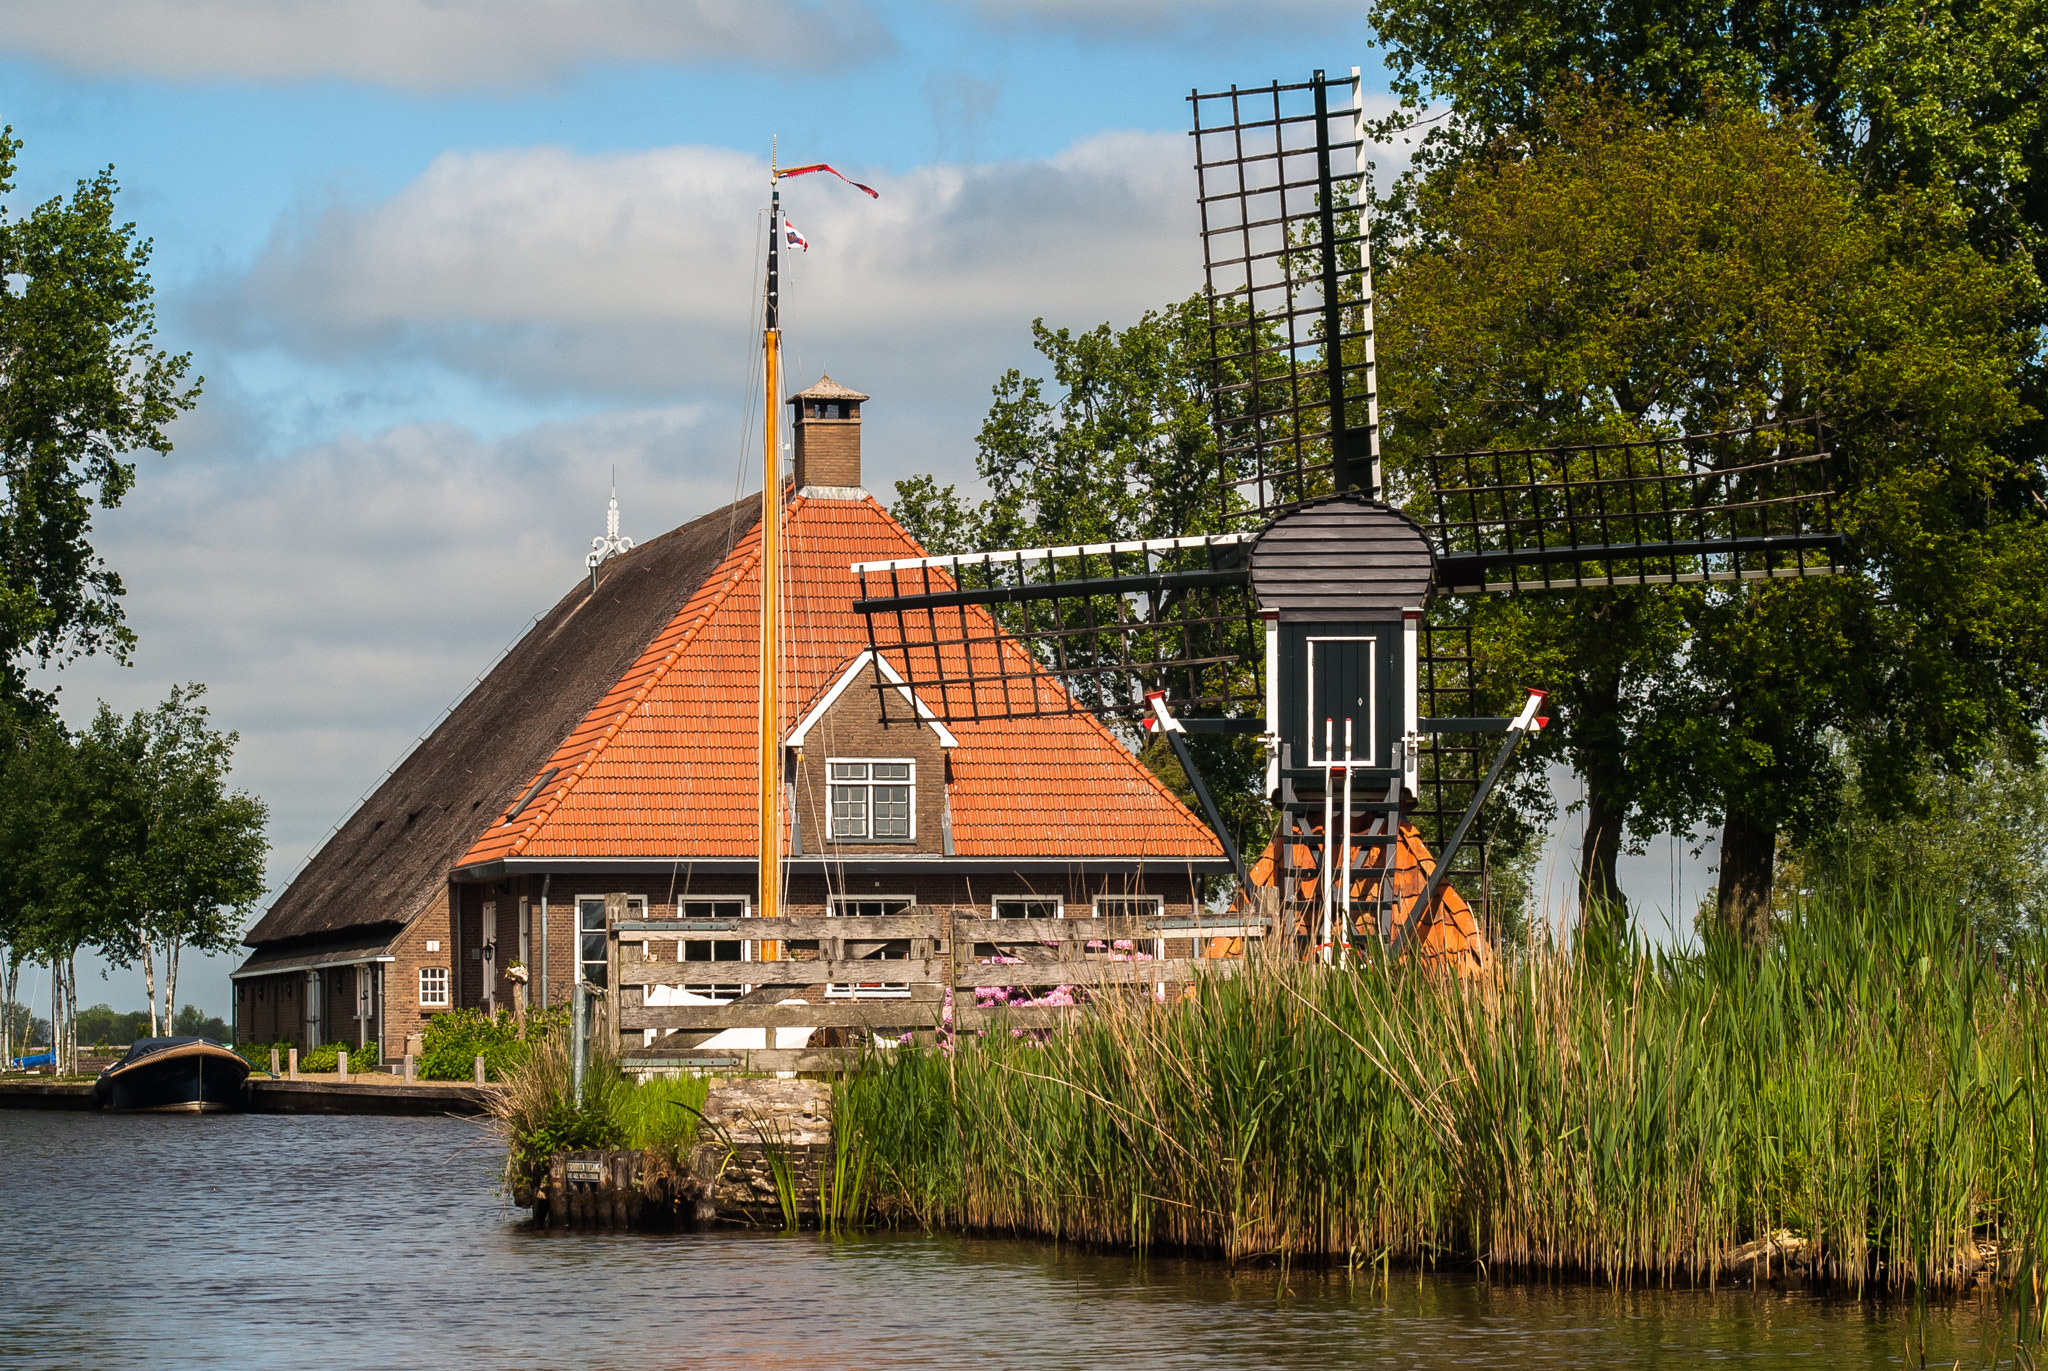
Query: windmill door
x=1339 y=680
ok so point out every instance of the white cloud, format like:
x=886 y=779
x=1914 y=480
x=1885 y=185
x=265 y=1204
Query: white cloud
x=635 y=277
x=336 y=599
x=428 y=45
x=1157 y=20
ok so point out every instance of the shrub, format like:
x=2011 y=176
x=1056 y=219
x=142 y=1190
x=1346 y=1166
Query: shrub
x=258 y=1054
x=539 y=1113
x=454 y=1040
x=327 y=1057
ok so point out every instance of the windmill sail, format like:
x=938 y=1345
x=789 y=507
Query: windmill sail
x=1280 y=184
x=1281 y=188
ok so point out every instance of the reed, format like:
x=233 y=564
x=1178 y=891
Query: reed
x=1862 y=1102
x=539 y=1113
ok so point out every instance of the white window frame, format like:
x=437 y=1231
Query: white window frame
x=722 y=992
x=832 y=784
x=442 y=1001
x=1158 y=903
x=996 y=903
x=868 y=990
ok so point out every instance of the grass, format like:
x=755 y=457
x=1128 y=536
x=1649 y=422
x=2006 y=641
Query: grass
x=539 y=1113
x=1865 y=1099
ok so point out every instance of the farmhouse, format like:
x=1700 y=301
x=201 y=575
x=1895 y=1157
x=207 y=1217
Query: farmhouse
x=613 y=749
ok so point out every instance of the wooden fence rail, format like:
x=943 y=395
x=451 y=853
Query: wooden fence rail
x=891 y=973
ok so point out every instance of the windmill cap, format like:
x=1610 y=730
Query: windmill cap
x=827 y=389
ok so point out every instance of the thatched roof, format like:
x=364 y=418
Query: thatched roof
x=394 y=854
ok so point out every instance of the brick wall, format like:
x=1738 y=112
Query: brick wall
x=855 y=729
x=827 y=451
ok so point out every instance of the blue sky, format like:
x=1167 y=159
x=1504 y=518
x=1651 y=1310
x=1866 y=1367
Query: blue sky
x=448 y=264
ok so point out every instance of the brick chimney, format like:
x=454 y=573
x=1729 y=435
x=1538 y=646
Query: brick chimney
x=827 y=436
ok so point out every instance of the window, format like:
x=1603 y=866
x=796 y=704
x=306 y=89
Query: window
x=433 y=987
x=872 y=907
x=1131 y=907
x=1028 y=907
x=871 y=801
x=712 y=949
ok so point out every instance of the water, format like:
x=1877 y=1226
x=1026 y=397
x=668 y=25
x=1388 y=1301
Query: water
x=320 y=1242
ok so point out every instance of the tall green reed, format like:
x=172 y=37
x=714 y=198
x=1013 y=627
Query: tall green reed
x=1863 y=1099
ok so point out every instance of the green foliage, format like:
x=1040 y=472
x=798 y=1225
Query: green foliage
x=1619 y=273
x=170 y=854
x=1115 y=446
x=84 y=386
x=1977 y=843
x=193 y=1023
x=23 y=1026
x=258 y=1054
x=455 y=1039
x=539 y=1113
x=327 y=1057
x=1948 y=96
x=100 y=1024
x=1869 y=1088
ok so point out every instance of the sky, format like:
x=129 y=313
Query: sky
x=449 y=268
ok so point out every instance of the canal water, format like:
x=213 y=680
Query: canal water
x=342 y=1242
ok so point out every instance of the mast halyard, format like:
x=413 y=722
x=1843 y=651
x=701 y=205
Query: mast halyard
x=771 y=580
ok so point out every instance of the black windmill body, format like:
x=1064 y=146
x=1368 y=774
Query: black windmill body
x=1322 y=615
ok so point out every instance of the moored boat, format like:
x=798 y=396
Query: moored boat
x=191 y=1074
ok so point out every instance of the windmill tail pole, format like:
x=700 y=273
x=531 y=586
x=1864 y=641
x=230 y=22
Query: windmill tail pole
x=1177 y=736
x=1520 y=727
x=770 y=857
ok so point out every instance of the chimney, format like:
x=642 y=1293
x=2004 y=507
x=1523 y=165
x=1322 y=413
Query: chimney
x=827 y=439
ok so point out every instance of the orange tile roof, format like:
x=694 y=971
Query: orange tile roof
x=664 y=765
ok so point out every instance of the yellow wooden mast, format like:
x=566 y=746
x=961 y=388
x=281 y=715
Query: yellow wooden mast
x=771 y=579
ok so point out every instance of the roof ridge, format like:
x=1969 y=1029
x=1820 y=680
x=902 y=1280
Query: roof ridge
x=632 y=706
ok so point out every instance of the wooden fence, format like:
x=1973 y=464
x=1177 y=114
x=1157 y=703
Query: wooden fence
x=883 y=975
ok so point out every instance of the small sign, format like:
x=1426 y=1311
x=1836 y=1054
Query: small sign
x=586 y=1171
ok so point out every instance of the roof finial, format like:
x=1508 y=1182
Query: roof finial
x=611 y=545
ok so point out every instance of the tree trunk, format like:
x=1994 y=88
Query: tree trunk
x=1749 y=854
x=10 y=985
x=1600 y=897
x=70 y=1057
x=149 y=983
x=170 y=985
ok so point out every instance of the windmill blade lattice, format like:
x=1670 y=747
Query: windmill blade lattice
x=1280 y=172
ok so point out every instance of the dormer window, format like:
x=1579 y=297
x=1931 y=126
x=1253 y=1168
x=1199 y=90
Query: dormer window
x=872 y=800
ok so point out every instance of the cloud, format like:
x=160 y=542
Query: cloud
x=635 y=278
x=429 y=45
x=337 y=598
x=1168 y=20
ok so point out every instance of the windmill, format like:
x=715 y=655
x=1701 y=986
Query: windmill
x=1324 y=613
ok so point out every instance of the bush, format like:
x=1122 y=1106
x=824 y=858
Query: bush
x=454 y=1040
x=327 y=1057
x=540 y=1113
x=258 y=1054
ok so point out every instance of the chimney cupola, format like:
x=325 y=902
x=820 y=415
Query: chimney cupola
x=826 y=439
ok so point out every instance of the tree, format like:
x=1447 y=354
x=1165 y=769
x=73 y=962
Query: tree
x=1977 y=842
x=1950 y=96
x=45 y=895
x=82 y=385
x=1621 y=273
x=176 y=857
x=1116 y=446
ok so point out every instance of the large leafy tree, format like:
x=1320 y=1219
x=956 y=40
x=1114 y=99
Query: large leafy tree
x=1619 y=272
x=1950 y=95
x=1115 y=444
x=174 y=857
x=82 y=386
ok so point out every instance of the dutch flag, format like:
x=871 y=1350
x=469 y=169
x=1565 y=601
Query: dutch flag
x=793 y=238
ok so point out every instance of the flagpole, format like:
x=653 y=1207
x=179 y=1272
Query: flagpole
x=771 y=577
